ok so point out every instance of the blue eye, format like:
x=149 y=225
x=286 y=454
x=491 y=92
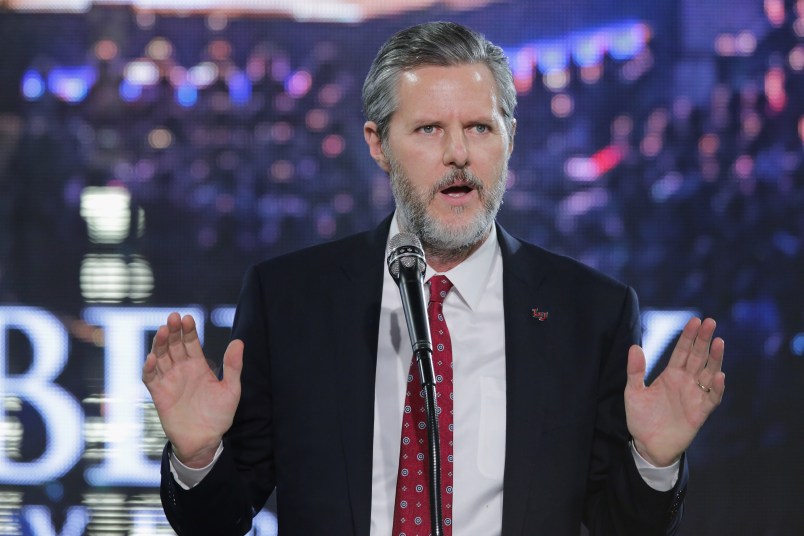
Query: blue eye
x=428 y=129
x=482 y=128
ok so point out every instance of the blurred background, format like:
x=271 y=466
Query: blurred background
x=151 y=150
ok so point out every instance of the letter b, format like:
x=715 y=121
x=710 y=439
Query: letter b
x=61 y=414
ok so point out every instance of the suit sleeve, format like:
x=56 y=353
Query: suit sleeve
x=618 y=501
x=238 y=485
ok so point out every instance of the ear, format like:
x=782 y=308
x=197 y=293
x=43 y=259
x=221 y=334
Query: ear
x=511 y=138
x=372 y=137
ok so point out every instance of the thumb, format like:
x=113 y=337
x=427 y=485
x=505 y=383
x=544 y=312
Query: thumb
x=636 y=368
x=233 y=363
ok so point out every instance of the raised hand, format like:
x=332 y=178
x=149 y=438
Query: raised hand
x=194 y=407
x=664 y=417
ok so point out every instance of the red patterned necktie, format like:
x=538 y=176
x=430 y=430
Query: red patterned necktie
x=412 y=503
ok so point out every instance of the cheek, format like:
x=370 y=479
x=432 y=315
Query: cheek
x=424 y=189
x=493 y=165
x=420 y=176
x=423 y=155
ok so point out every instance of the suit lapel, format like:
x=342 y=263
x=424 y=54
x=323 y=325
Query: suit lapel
x=355 y=367
x=526 y=342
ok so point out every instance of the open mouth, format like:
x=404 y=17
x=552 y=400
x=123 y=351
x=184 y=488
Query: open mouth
x=457 y=190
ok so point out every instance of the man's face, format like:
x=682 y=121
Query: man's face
x=446 y=152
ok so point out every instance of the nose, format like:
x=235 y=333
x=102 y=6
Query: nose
x=456 y=151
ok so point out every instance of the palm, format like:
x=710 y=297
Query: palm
x=664 y=418
x=194 y=407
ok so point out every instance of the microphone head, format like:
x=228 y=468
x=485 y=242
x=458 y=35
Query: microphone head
x=405 y=250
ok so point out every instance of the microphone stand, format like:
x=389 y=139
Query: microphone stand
x=423 y=353
x=427 y=377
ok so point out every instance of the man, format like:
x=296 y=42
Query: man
x=544 y=439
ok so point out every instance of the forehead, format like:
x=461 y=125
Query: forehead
x=450 y=89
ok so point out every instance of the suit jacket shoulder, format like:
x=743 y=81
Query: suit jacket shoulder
x=530 y=263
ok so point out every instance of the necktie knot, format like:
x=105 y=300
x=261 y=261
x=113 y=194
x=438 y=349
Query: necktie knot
x=439 y=288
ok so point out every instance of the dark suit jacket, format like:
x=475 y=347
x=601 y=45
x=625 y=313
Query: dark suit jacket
x=304 y=426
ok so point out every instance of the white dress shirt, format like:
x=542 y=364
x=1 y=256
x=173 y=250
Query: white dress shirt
x=473 y=310
x=473 y=313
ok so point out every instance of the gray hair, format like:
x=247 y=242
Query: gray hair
x=432 y=43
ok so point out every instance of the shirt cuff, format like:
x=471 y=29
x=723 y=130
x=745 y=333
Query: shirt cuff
x=658 y=478
x=188 y=477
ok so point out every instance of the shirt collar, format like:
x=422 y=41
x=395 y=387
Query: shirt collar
x=470 y=278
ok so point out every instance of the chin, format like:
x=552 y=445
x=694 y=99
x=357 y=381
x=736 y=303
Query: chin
x=457 y=233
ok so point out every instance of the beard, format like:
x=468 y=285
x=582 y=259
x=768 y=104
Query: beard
x=446 y=239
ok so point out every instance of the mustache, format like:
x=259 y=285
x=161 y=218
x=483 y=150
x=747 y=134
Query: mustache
x=457 y=176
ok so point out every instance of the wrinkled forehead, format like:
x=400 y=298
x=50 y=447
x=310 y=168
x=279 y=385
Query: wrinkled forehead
x=466 y=85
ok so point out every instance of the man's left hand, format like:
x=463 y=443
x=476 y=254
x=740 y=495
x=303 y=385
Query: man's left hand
x=664 y=417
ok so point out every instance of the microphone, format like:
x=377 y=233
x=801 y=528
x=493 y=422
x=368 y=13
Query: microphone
x=406 y=265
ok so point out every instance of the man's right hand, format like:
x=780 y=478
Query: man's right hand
x=194 y=407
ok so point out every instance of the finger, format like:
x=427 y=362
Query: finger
x=190 y=340
x=699 y=353
x=711 y=362
x=681 y=352
x=636 y=368
x=149 y=370
x=712 y=399
x=233 y=366
x=714 y=363
x=160 y=351
x=175 y=342
x=718 y=388
x=159 y=345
